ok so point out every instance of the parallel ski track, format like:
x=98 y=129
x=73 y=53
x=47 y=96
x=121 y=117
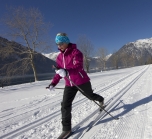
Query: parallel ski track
x=51 y=105
x=103 y=113
x=139 y=129
x=33 y=105
x=27 y=127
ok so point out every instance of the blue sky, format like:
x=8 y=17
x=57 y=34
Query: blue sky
x=106 y=23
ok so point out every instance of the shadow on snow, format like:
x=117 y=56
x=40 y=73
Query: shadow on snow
x=127 y=108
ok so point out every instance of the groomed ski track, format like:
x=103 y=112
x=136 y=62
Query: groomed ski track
x=41 y=118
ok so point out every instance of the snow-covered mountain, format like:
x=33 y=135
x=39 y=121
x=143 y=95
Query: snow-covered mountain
x=52 y=55
x=140 y=48
x=108 y=56
x=143 y=43
x=133 y=53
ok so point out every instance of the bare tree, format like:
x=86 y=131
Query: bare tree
x=86 y=48
x=115 y=60
x=149 y=60
x=28 y=27
x=102 y=52
x=124 y=59
x=132 y=59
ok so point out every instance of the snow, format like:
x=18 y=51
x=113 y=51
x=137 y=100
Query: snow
x=51 y=55
x=29 y=111
x=143 y=43
x=107 y=57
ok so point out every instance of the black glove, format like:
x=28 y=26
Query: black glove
x=50 y=86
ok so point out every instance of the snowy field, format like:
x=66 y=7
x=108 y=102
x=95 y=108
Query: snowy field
x=29 y=111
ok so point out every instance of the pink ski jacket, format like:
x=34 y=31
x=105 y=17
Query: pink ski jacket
x=71 y=60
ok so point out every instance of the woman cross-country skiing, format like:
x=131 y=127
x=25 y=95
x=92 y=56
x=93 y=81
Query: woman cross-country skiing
x=70 y=67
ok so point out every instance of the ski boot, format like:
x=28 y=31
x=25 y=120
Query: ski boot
x=64 y=134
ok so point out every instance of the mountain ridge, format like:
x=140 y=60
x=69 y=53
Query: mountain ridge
x=42 y=63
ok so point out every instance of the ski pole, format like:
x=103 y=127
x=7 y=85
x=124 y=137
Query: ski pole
x=93 y=100
x=88 y=96
x=58 y=88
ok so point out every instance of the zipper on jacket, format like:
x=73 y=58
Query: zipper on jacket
x=81 y=74
x=65 y=67
x=63 y=61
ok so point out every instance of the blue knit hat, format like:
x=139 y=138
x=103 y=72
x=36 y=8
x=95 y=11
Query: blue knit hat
x=62 y=38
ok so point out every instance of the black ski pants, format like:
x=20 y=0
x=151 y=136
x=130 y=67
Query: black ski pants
x=68 y=97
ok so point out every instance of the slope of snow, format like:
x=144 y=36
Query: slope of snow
x=29 y=111
x=52 y=55
x=143 y=43
x=107 y=57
